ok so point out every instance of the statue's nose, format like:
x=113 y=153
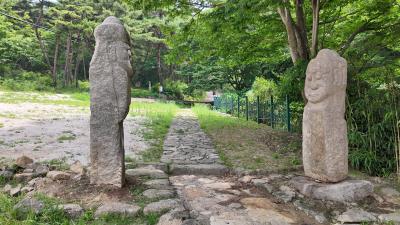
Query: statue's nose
x=313 y=85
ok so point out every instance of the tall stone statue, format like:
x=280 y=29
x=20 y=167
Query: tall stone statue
x=325 y=145
x=110 y=96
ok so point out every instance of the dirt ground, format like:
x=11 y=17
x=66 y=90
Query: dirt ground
x=45 y=132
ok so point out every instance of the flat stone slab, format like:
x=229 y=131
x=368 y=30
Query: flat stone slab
x=199 y=169
x=154 y=193
x=132 y=174
x=117 y=208
x=161 y=184
x=356 y=216
x=345 y=191
x=162 y=206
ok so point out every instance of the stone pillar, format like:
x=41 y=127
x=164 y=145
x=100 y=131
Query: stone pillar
x=325 y=145
x=110 y=77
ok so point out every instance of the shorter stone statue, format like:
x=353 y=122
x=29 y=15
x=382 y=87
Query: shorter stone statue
x=110 y=84
x=325 y=145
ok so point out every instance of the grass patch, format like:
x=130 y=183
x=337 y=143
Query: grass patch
x=58 y=164
x=79 y=99
x=66 y=136
x=53 y=215
x=142 y=93
x=248 y=145
x=159 y=116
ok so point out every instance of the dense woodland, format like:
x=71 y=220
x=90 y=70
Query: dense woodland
x=253 y=47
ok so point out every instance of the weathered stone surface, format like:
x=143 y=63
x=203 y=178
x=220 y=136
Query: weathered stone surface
x=77 y=168
x=6 y=174
x=356 y=216
x=285 y=194
x=27 y=189
x=169 y=219
x=345 y=191
x=58 y=175
x=41 y=170
x=390 y=194
x=23 y=161
x=23 y=177
x=391 y=217
x=133 y=174
x=325 y=144
x=16 y=190
x=158 y=184
x=154 y=193
x=117 y=208
x=162 y=206
x=199 y=169
x=72 y=210
x=318 y=216
x=29 y=205
x=7 y=188
x=110 y=76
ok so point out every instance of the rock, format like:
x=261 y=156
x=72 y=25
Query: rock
x=23 y=161
x=110 y=75
x=263 y=184
x=16 y=190
x=235 y=205
x=7 y=188
x=199 y=169
x=41 y=170
x=158 y=184
x=345 y=191
x=168 y=219
x=58 y=175
x=157 y=194
x=219 y=185
x=246 y=179
x=27 y=189
x=6 y=175
x=391 y=217
x=286 y=194
x=23 y=177
x=117 y=208
x=318 y=216
x=356 y=216
x=325 y=145
x=390 y=194
x=73 y=211
x=29 y=205
x=162 y=206
x=133 y=174
x=77 y=168
x=28 y=171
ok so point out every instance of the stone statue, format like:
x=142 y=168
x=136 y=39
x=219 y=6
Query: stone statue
x=325 y=150
x=110 y=96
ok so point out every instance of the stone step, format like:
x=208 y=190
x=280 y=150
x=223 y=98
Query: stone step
x=132 y=174
x=199 y=169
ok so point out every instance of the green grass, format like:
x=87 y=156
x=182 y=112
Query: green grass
x=142 y=93
x=53 y=215
x=159 y=116
x=80 y=99
x=248 y=145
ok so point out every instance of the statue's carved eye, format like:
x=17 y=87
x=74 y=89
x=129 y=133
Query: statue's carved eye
x=309 y=78
x=318 y=76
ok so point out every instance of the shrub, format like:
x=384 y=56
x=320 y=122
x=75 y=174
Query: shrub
x=175 y=89
x=262 y=88
x=27 y=81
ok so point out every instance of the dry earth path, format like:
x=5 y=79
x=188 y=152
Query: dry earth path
x=46 y=132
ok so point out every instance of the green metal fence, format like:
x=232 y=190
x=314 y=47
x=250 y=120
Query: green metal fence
x=274 y=112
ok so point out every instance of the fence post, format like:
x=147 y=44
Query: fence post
x=272 y=112
x=247 y=108
x=289 y=128
x=226 y=104
x=258 y=109
x=238 y=106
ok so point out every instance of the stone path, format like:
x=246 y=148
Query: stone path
x=204 y=193
x=188 y=149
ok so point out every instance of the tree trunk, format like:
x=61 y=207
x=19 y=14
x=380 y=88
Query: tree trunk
x=290 y=29
x=315 y=25
x=78 y=61
x=159 y=64
x=66 y=66
x=54 y=73
x=301 y=31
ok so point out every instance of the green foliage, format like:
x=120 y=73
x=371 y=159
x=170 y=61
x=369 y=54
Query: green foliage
x=175 y=89
x=27 y=81
x=142 y=93
x=263 y=88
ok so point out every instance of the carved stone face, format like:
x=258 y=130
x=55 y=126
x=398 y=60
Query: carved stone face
x=319 y=82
